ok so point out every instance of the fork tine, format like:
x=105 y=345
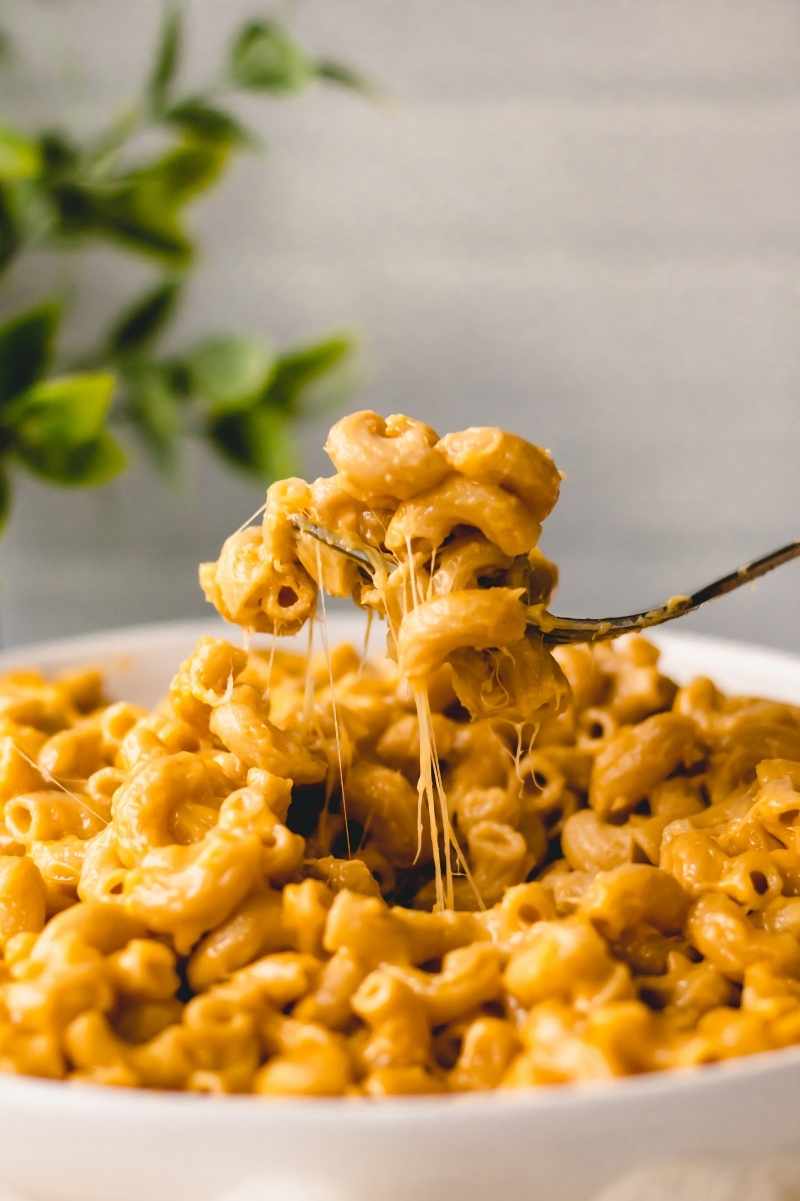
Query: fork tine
x=327 y=538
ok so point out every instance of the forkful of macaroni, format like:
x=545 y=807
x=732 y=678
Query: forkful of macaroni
x=439 y=536
x=495 y=862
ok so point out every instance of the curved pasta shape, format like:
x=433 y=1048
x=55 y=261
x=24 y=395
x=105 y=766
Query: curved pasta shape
x=518 y=683
x=49 y=815
x=145 y=809
x=495 y=457
x=382 y=799
x=186 y=891
x=432 y=631
x=378 y=459
x=23 y=898
x=430 y=517
x=469 y=561
x=472 y=865
x=243 y=728
x=638 y=758
x=252 y=590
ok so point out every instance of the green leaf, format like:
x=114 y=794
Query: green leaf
x=339 y=73
x=19 y=156
x=167 y=56
x=59 y=430
x=264 y=58
x=273 y=448
x=88 y=465
x=156 y=234
x=65 y=411
x=59 y=152
x=10 y=237
x=180 y=175
x=140 y=324
x=5 y=498
x=153 y=408
x=159 y=189
x=123 y=217
x=230 y=372
x=142 y=208
x=75 y=209
x=257 y=441
x=206 y=121
x=299 y=374
x=32 y=210
x=26 y=343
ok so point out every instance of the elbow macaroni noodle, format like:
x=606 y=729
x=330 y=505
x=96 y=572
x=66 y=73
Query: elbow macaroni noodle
x=470 y=865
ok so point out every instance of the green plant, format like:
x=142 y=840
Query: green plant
x=62 y=193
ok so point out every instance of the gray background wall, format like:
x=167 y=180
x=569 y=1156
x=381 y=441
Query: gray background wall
x=576 y=218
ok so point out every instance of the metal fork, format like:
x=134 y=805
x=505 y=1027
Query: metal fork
x=556 y=630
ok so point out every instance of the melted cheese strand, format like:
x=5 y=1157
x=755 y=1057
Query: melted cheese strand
x=518 y=725
x=431 y=568
x=424 y=718
x=412 y=573
x=308 y=689
x=327 y=650
x=449 y=831
x=251 y=518
x=51 y=779
x=365 y=646
x=430 y=776
x=270 y=665
x=425 y=791
x=365 y=831
x=227 y=694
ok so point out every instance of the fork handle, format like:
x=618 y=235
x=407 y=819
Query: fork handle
x=557 y=631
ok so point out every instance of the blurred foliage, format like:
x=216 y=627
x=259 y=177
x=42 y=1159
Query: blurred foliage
x=60 y=192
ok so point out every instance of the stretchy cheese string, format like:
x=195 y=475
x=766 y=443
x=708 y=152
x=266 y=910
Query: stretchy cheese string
x=250 y=519
x=51 y=779
x=431 y=569
x=227 y=694
x=430 y=780
x=451 y=835
x=502 y=653
x=308 y=688
x=425 y=791
x=424 y=780
x=327 y=650
x=517 y=754
x=431 y=773
x=270 y=665
x=365 y=645
x=365 y=830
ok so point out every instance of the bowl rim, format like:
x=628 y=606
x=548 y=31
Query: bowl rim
x=114 y=640
x=603 y=1098
x=153 y=1107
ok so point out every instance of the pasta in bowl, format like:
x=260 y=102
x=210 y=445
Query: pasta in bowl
x=468 y=864
x=132 y=1143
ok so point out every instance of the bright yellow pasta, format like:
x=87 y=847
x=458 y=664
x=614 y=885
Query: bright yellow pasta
x=472 y=864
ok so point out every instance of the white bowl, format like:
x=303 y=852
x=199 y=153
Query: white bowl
x=60 y=1143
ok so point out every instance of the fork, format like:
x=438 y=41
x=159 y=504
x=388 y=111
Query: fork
x=556 y=630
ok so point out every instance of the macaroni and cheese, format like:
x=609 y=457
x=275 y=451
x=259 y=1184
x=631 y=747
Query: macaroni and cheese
x=470 y=864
